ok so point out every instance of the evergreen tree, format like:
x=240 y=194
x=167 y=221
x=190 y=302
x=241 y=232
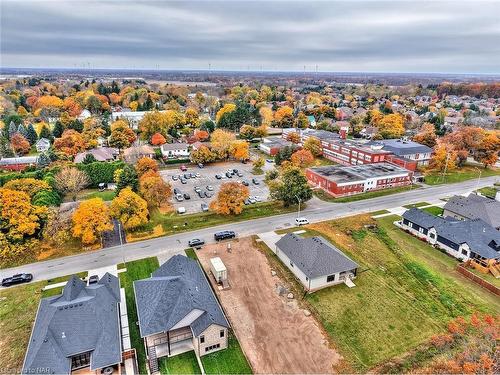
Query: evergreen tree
x=5 y=150
x=115 y=88
x=46 y=133
x=31 y=135
x=128 y=177
x=76 y=125
x=12 y=129
x=21 y=129
x=89 y=158
x=43 y=160
x=58 y=129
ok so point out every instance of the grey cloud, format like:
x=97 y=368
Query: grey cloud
x=418 y=36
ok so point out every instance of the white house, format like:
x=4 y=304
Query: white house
x=42 y=145
x=85 y=114
x=175 y=150
x=315 y=261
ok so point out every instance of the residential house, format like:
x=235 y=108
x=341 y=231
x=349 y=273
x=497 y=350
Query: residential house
x=175 y=150
x=315 y=261
x=134 y=153
x=339 y=180
x=470 y=239
x=99 y=153
x=85 y=114
x=77 y=330
x=42 y=145
x=312 y=121
x=473 y=207
x=18 y=163
x=178 y=312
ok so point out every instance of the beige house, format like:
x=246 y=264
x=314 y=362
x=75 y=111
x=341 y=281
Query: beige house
x=178 y=312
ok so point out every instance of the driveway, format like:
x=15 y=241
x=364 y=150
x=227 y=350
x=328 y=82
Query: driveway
x=207 y=178
x=273 y=331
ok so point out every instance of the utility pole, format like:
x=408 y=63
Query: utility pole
x=445 y=166
x=298 y=211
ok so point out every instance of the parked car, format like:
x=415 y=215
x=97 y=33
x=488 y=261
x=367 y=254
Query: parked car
x=183 y=181
x=218 y=176
x=197 y=189
x=181 y=210
x=204 y=207
x=17 y=279
x=197 y=175
x=183 y=168
x=270 y=160
x=176 y=191
x=210 y=187
x=201 y=194
x=245 y=183
x=179 y=197
x=251 y=200
x=94 y=279
x=301 y=221
x=187 y=196
x=193 y=175
x=235 y=171
x=239 y=174
x=255 y=181
x=175 y=178
x=257 y=198
x=187 y=176
x=200 y=165
x=226 y=234
x=246 y=202
x=209 y=194
x=229 y=175
x=196 y=242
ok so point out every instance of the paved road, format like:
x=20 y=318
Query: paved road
x=168 y=245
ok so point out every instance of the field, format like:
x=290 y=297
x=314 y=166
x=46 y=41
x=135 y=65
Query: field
x=358 y=197
x=18 y=306
x=136 y=270
x=461 y=174
x=405 y=292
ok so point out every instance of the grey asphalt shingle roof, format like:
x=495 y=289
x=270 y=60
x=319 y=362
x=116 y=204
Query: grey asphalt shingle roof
x=82 y=319
x=475 y=207
x=173 y=291
x=481 y=237
x=402 y=148
x=315 y=256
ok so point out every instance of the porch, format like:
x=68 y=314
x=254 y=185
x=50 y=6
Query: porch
x=168 y=344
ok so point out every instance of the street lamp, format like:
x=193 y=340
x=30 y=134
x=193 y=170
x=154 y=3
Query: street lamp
x=298 y=211
x=478 y=178
x=121 y=241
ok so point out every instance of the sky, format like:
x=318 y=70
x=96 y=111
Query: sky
x=344 y=36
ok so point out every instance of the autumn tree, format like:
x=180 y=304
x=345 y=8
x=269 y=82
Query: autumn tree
x=155 y=122
x=70 y=143
x=201 y=135
x=221 y=141
x=126 y=177
x=266 y=115
x=157 y=139
x=239 y=150
x=145 y=165
x=121 y=135
x=70 y=180
x=302 y=158
x=488 y=148
x=90 y=219
x=291 y=187
x=284 y=117
x=230 y=199
x=427 y=135
x=293 y=137
x=30 y=186
x=154 y=190
x=247 y=132
x=391 y=126
x=227 y=108
x=130 y=209
x=202 y=155
x=191 y=116
x=465 y=141
x=20 y=145
x=444 y=158
x=313 y=144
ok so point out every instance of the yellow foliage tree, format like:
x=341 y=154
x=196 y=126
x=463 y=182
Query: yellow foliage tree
x=266 y=114
x=284 y=116
x=228 y=108
x=391 y=126
x=154 y=190
x=230 y=199
x=130 y=209
x=443 y=158
x=90 y=219
x=221 y=141
x=30 y=186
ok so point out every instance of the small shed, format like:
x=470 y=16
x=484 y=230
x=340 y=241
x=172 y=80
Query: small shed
x=218 y=269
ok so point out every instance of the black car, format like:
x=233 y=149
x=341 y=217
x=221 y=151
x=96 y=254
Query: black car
x=93 y=279
x=17 y=279
x=196 y=242
x=255 y=181
x=245 y=183
x=229 y=175
x=187 y=176
x=176 y=191
x=187 y=196
x=226 y=234
x=235 y=171
x=218 y=176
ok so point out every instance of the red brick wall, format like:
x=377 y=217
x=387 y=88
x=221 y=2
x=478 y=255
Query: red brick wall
x=411 y=165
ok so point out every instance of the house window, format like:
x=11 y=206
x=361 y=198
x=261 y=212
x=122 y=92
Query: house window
x=330 y=278
x=202 y=339
x=80 y=361
x=222 y=333
x=464 y=252
x=212 y=347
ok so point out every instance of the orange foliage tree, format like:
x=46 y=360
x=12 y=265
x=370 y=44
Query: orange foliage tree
x=144 y=165
x=230 y=199
x=30 y=186
x=70 y=143
x=19 y=144
x=302 y=158
x=239 y=150
x=154 y=190
x=90 y=219
x=157 y=139
x=293 y=137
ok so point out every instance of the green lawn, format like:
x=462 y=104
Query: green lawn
x=191 y=253
x=184 y=363
x=136 y=270
x=175 y=223
x=403 y=295
x=488 y=191
x=18 y=306
x=106 y=195
x=58 y=290
x=435 y=210
x=371 y=194
x=227 y=361
x=379 y=212
x=419 y=204
x=459 y=175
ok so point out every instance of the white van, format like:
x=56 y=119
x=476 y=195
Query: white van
x=301 y=221
x=181 y=210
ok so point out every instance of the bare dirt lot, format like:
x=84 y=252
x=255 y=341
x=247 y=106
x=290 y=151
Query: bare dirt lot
x=274 y=332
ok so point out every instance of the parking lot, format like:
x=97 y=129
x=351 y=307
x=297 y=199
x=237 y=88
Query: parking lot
x=207 y=178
